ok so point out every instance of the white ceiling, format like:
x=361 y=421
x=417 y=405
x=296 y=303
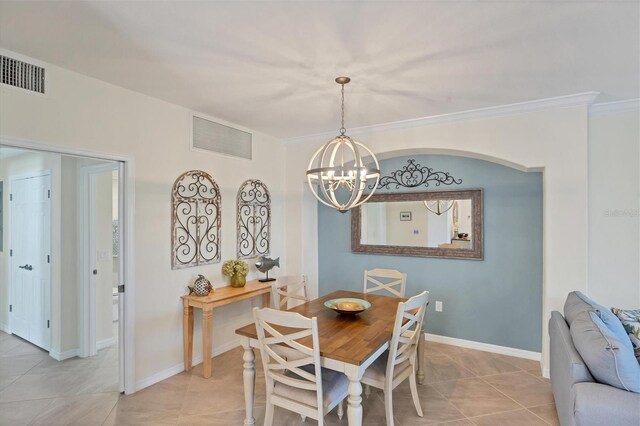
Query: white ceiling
x=270 y=65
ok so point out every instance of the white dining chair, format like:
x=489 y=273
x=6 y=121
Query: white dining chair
x=294 y=379
x=390 y=281
x=386 y=280
x=400 y=361
x=289 y=288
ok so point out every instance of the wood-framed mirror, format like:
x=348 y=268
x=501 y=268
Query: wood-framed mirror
x=446 y=224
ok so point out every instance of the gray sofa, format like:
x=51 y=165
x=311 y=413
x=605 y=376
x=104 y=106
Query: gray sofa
x=580 y=400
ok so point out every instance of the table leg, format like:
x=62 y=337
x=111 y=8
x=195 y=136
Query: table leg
x=249 y=378
x=207 y=325
x=266 y=300
x=354 y=409
x=187 y=335
x=420 y=375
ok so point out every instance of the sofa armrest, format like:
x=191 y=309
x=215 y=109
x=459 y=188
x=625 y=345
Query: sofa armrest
x=598 y=404
x=566 y=367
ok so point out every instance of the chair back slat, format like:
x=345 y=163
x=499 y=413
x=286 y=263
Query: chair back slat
x=283 y=355
x=407 y=330
x=388 y=280
x=289 y=288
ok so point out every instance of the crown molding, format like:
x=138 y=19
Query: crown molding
x=628 y=105
x=577 y=99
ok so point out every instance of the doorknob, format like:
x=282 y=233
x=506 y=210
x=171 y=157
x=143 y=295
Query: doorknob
x=95 y=272
x=26 y=266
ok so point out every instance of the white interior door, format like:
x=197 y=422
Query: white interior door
x=30 y=211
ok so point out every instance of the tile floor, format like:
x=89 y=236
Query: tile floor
x=462 y=387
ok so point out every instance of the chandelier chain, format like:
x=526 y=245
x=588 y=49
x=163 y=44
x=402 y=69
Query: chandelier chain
x=342 y=129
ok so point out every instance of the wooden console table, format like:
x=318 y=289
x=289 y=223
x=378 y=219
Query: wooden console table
x=219 y=297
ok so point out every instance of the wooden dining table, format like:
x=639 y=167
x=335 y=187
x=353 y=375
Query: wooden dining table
x=348 y=344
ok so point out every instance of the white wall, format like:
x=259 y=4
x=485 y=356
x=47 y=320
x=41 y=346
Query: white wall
x=438 y=228
x=400 y=232
x=614 y=205
x=542 y=138
x=67 y=256
x=373 y=223
x=464 y=217
x=84 y=113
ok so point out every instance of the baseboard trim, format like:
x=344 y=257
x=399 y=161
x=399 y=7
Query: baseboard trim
x=61 y=356
x=105 y=343
x=5 y=327
x=486 y=347
x=179 y=368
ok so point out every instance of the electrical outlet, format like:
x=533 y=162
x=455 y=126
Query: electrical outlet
x=438 y=306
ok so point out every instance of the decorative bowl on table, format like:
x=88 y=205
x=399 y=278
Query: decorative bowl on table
x=348 y=305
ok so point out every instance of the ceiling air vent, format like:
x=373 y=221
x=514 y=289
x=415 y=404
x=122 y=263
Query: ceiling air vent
x=21 y=74
x=215 y=137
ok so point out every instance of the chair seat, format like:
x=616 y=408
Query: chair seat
x=335 y=387
x=377 y=371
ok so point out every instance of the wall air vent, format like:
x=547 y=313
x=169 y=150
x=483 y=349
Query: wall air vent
x=21 y=74
x=215 y=137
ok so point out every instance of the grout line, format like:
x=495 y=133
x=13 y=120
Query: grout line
x=499 y=391
x=500 y=374
x=110 y=411
x=43 y=410
x=538 y=417
x=491 y=414
x=473 y=376
x=542 y=405
x=541 y=379
x=10 y=383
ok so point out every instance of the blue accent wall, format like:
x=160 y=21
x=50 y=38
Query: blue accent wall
x=497 y=300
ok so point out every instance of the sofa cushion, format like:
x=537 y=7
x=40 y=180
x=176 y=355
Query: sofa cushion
x=578 y=302
x=630 y=320
x=609 y=360
x=596 y=405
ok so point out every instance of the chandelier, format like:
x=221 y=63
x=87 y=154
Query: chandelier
x=439 y=206
x=337 y=174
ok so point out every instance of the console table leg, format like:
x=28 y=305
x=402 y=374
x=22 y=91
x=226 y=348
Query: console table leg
x=207 y=325
x=187 y=335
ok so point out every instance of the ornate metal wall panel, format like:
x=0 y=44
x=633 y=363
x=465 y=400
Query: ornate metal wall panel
x=253 y=219
x=414 y=175
x=195 y=221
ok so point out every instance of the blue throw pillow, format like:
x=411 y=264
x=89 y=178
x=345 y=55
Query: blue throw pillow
x=577 y=302
x=608 y=358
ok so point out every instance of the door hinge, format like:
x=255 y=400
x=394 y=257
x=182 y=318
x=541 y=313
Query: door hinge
x=11 y=252
x=47 y=323
x=10 y=308
x=48 y=193
x=10 y=197
x=48 y=259
x=121 y=288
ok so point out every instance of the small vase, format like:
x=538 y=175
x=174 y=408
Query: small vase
x=238 y=280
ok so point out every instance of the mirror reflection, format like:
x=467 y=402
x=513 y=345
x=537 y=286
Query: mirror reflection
x=436 y=223
x=445 y=223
